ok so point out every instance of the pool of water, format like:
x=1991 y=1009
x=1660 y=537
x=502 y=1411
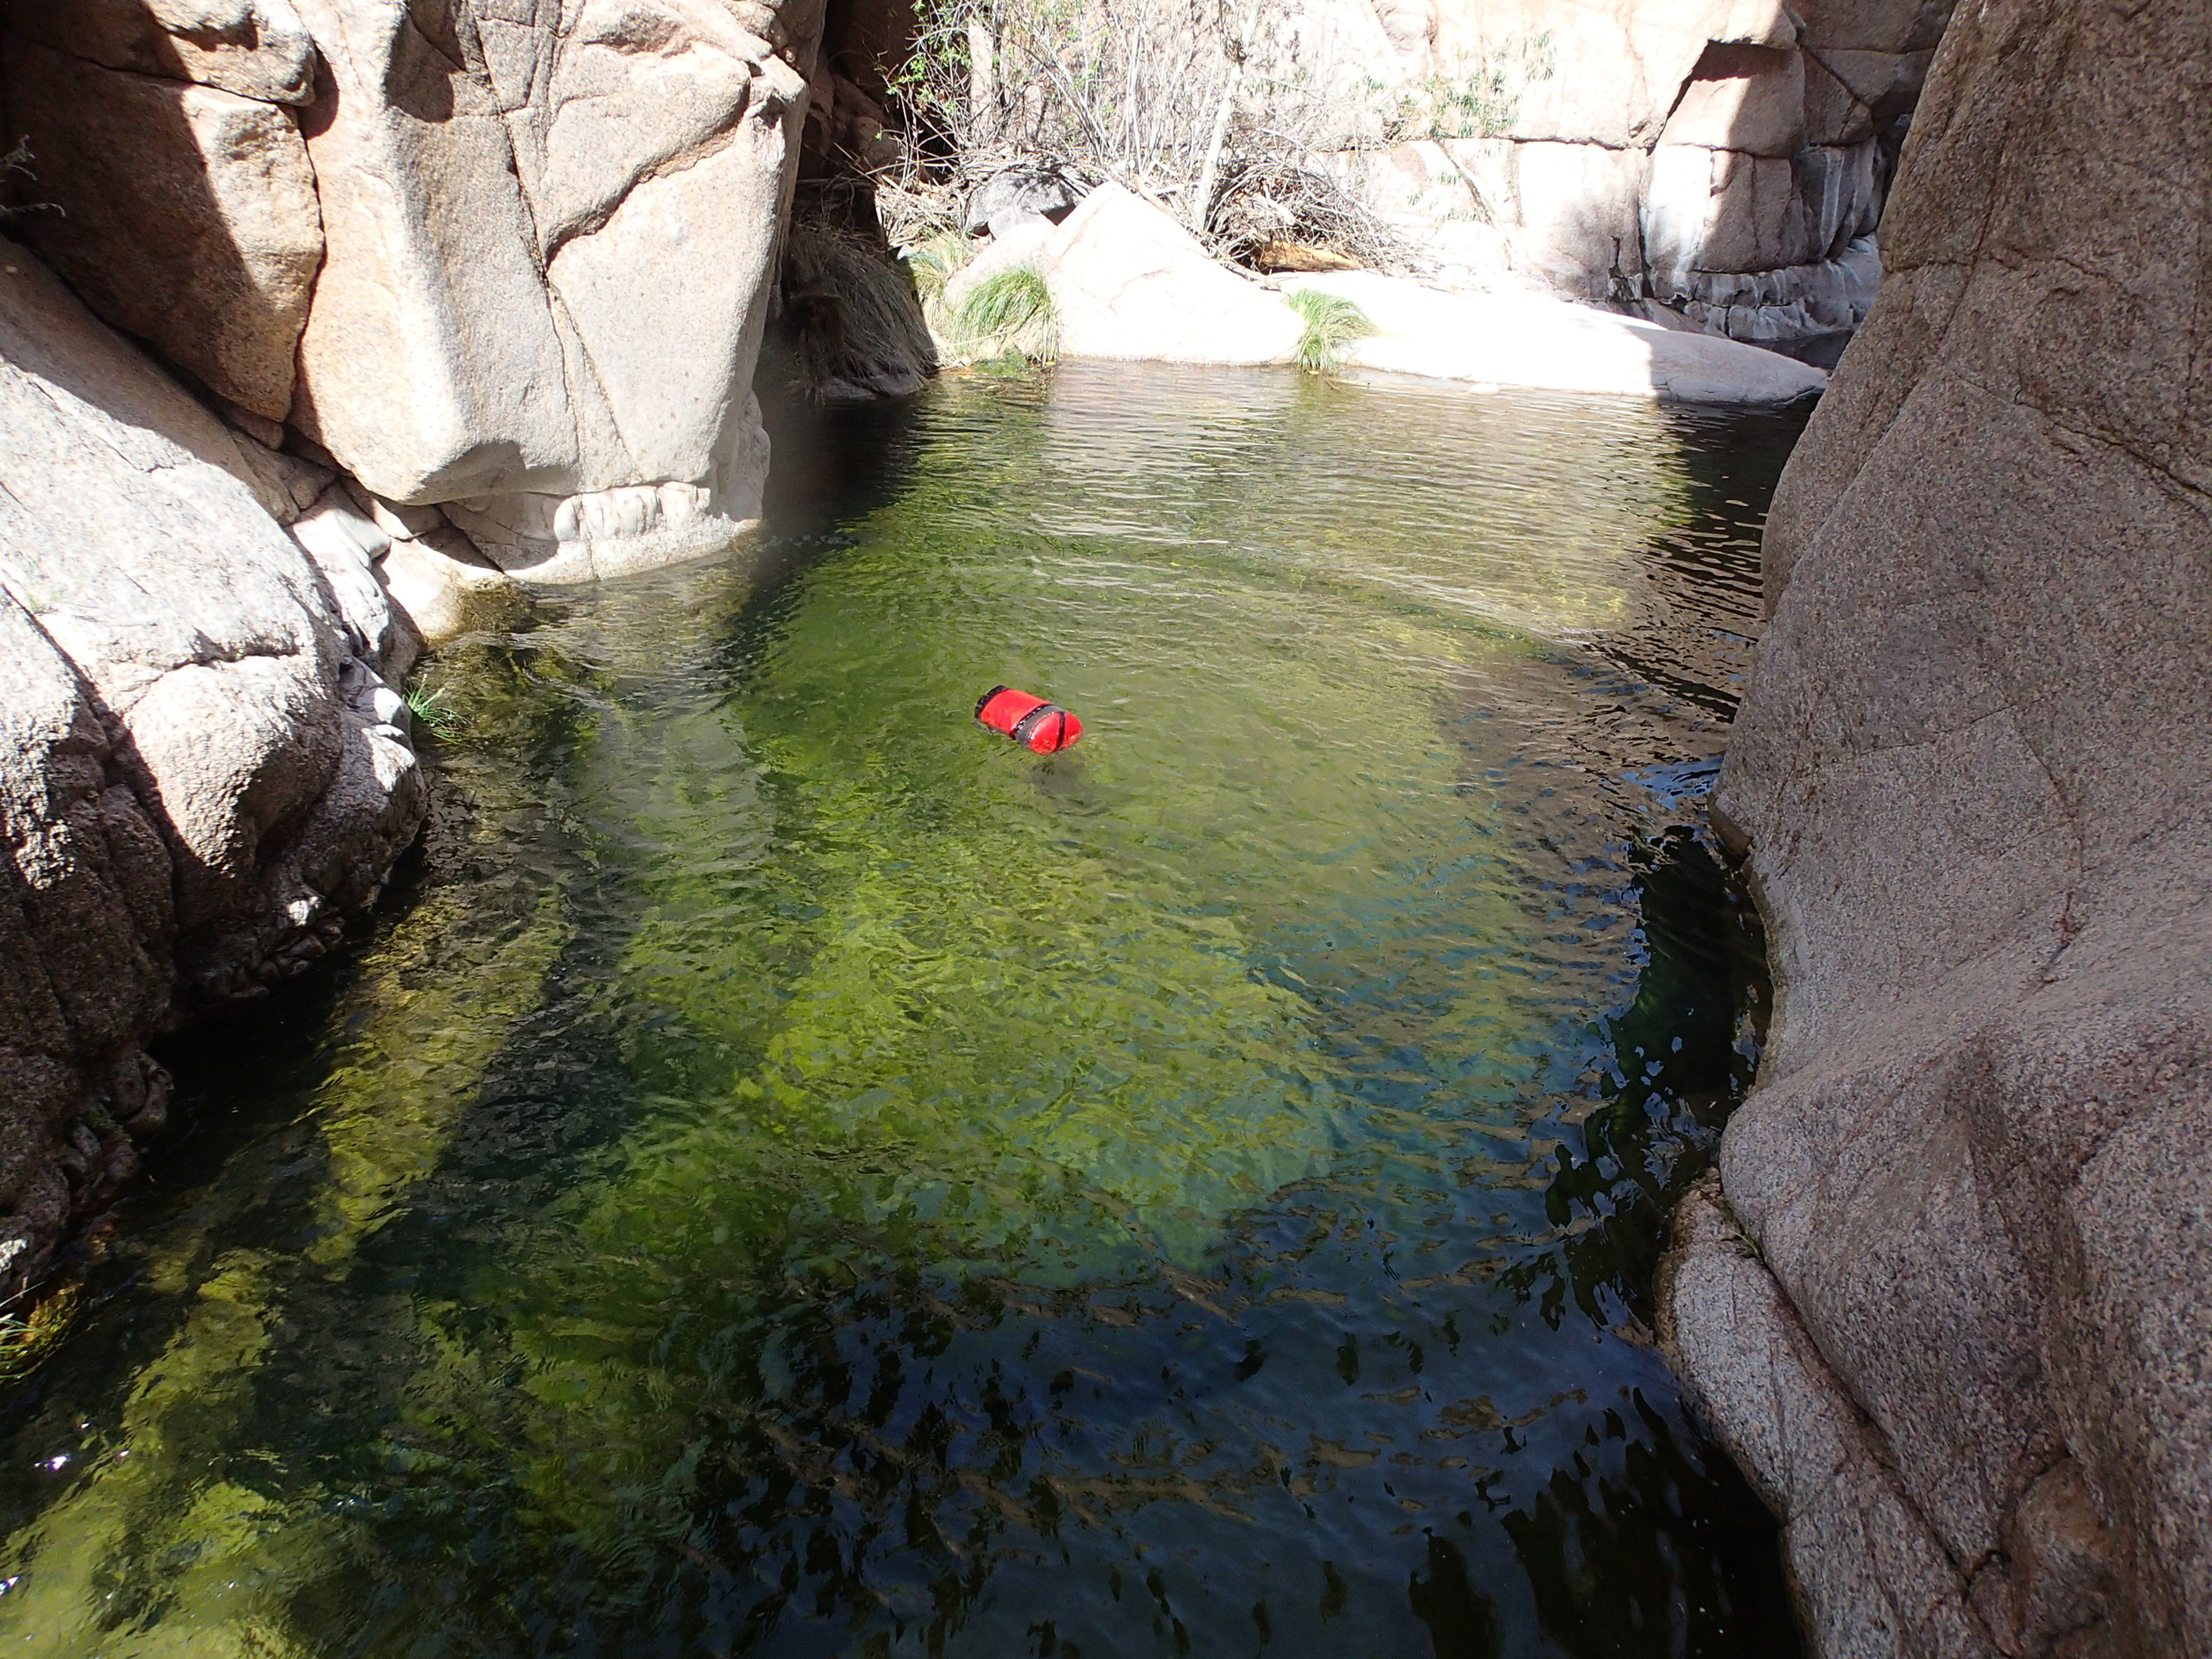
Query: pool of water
x=785 y=1172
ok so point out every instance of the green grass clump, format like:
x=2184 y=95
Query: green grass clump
x=428 y=707
x=28 y=1335
x=935 y=260
x=1333 y=323
x=1008 y=314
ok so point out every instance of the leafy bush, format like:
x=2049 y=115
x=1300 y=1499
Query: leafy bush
x=1480 y=97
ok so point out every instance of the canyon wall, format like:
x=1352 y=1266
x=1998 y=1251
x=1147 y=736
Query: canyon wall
x=1947 y=1301
x=1719 y=162
x=415 y=298
x=509 y=262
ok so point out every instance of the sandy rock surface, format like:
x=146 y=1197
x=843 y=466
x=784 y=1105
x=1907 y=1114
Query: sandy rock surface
x=1537 y=343
x=1974 y=773
x=201 y=766
x=1129 y=283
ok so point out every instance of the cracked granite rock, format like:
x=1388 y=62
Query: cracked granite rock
x=1974 y=778
x=186 y=213
x=1718 y=164
x=549 y=243
x=509 y=258
x=202 y=768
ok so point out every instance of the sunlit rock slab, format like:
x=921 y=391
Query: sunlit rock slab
x=1529 y=341
x=1129 y=284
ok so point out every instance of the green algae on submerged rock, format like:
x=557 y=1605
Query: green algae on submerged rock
x=889 y=1188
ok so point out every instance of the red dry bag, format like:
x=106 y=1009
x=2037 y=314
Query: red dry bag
x=1043 y=726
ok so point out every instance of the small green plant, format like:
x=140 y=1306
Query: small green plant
x=1481 y=98
x=1333 y=323
x=935 y=260
x=1008 y=314
x=29 y=595
x=1737 y=1236
x=429 y=711
x=27 y=1337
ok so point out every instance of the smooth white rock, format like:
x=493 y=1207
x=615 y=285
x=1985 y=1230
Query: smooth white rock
x=1543 y=344
x=1129 y=283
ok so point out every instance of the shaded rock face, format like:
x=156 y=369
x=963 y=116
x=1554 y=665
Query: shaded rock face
x=202 y=767
x=188 y=214
x=1974 y=774
x=1725 y=159
x=513 y=259
x=1019 y=195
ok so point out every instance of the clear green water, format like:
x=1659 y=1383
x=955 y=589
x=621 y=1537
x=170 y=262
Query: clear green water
x=787 y=1173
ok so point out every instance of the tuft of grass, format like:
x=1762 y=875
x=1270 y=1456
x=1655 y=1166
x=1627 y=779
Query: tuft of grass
x=1333 y=323
x=29 y=1337
x=935 y=260
x=428 y=709
x=1008 y=314
x=857 y=310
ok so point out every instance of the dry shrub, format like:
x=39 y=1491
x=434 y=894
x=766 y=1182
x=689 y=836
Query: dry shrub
x=1269 y=194
x=916 y=204
x=853 y=319
x=1176 y=99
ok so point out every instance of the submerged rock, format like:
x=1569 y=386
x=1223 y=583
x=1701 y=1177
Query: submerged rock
x=199 y=768
x=1974 y=779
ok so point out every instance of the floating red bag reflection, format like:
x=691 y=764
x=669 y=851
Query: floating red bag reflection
x=1044 y=726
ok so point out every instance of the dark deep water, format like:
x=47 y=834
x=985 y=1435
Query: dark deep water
x=787 y=1173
